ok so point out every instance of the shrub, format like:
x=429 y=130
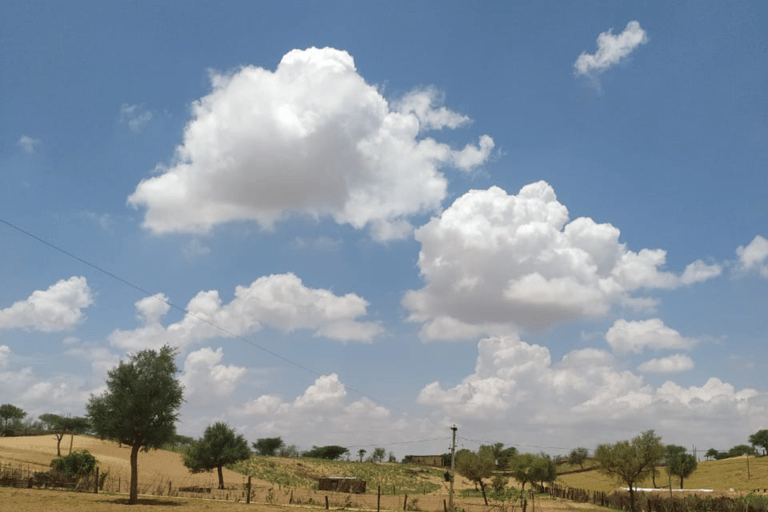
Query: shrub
x=75 y=465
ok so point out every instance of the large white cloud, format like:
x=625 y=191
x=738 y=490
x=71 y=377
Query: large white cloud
x=635 y=337
x=611 y=49
x=58 y=308
x=205 y=380
x=671 y=364
x=754 y=256
x=280 y=301
x=311 y=138
x=585 y=397
x=494 y=262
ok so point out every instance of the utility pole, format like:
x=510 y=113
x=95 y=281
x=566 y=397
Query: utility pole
x=453 y=465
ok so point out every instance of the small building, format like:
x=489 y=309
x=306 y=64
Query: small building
x=425 y=460
x=348 y=484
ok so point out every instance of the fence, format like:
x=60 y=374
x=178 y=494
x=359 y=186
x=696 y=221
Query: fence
x=645 y=502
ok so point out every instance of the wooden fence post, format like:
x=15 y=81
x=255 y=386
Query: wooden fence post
x=405 y=502
x=248 y=496
x=445 y=506
x=118 y=484
x=169 y=487
x=378 y=500
x=96 y=483
x=326 y=503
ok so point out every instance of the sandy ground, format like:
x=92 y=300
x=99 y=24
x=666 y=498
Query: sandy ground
x=155 y=466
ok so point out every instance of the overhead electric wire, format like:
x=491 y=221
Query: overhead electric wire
x=184 y=310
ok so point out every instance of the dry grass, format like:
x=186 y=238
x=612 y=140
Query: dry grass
x=721 y=475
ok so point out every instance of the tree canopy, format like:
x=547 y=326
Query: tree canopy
x=631 y=461
x=528 y=467
x=760 y=438
x=62 y=425
x=219 y=446
x=476 y=466
x=578 y=457
x=330 y=452
x=9 y=412
x=679 y=463
x=378 y=455
x=140 y=406
x=268 y=446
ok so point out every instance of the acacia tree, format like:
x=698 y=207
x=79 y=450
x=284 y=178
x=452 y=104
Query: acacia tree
x=329 y=452
x=679 y=463
x=378 y=455
x=476 y=466
x=760 y=438
x=361 y=453
x=62 y=425
x=219 y=446
x=140 y=406
x=578 y=457
x=711 y=453
x=528 y=467
x=631 y=461
x=268 y=446
x=11 y=413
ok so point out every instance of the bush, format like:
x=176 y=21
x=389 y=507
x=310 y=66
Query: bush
x=76 y=464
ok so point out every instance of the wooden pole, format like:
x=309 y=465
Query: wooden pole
x=96 y=483
x=169 y=487
x=326 y=503
x=405 y=502
x=248 y=496
x=445 y=506
x=378 y=500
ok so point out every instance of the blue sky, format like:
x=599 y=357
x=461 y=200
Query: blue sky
x=543 y=222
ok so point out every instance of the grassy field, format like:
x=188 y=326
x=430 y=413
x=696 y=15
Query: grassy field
x=722 y=475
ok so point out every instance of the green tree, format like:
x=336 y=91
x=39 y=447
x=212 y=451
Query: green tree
x=75 y=465
x=378 y=455
x=140 y=406
x=711 y=453
x=219 y=446
x=679 y=463
x=527 y=467
x=268 y=446
x=288 y=451
x=631 y=461
x=361 y=453
x=741 y=449
x=760 y=438
x=392 y=458
x=578 y=457
x=11 y=413
x=329 y=452
x=476 y=466
x=501 y=455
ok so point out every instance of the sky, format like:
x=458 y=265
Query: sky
x=361 y=223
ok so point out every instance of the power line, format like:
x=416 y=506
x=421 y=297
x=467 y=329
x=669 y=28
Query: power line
x=183 y=309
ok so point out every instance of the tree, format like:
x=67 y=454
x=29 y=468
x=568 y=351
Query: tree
x=378 y=455
x=268 y=446
x=631 y=461
x=392 y=458
x=741 y=449
x=140 y=406
x=760 y=438
x=476 y=466
x=578 y=457
x=501 y=455
x=288 y=451
x=330 y=452
x=219 y=446
x=75 y=465
x=711 y=453
x=361 y=453
x=11 y=413
x=63 y=425
x=679 y=463
x=527 y=467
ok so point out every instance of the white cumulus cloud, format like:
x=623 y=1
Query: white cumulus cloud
x=635 y=337
x=205 y=380
x=58 y=308
x=280 y=301
x=134 y=116
x=672 y=364
x=28 y=144
x=611 y=49
x=754 y=256
x=310 y=138
x=492 y=262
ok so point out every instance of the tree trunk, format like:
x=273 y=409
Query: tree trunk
x=221 y=478
x=134 y=495
x=482 y=488
x=681 y=482
x=71 y=440
x=631 y=499
x=58 y=444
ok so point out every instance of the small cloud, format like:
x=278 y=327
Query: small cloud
x=610 y=50
x=672 y=364
x=754 y=256
x=103 y=220
x=135 y=116
x=195 y=248
x=28 y=144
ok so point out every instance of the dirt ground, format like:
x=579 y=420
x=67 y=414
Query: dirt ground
x=155 y=466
